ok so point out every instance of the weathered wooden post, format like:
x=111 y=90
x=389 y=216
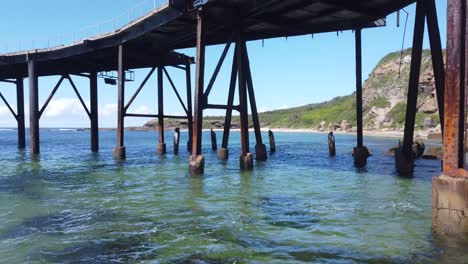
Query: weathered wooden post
x=33 y=107
x=189 y=106
x=450 y=190
x=119 y=151
x=214 y=145
x=20 y=113
x=161 y=147
x=176 y=140
x=271 y=137
x=331 y=145
x=360 y=153
x=197 y=161
x=404 y=161
x=94 y=112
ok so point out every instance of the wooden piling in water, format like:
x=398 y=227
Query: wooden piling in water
x=176 y=140
x=331 y=145
x=271 y=137
x=214 y=145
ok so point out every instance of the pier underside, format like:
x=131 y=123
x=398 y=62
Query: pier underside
x=149 y=42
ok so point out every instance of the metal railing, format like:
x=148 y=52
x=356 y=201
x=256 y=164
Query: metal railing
x=111 y=25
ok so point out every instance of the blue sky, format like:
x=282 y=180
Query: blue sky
x=286 y=72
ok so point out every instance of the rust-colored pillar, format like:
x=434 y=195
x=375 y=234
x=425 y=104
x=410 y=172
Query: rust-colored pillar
x=271 y=137
x=33 y=108
x=450 y=190
x=197 y=161
x=119 y=151
x=161 y=148
x=214 y=144
x=20 y=113
x=360 y=153
x=94 y=112
x=188 y=78
x=404 y=160
x=246 y=158
x=437 y=55
x=223 y=152
x=260 y=148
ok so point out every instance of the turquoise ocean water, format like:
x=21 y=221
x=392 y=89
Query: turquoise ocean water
x=301 y=206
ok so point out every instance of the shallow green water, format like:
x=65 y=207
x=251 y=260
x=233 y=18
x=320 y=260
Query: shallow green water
x=298 y=207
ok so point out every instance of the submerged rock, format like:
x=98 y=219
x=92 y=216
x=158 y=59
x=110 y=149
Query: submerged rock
x=433 y=153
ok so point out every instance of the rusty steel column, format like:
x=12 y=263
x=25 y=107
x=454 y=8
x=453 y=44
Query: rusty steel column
x=437 y=56
x=197 y=161
x=246 y=158
x=94 y=111
x=360 y=153
x=33 y=107
x=119 y=151
x=161 y=148
x=189 y=106
x=20 y=113
x=404 y=160
x=223 y=152
x=450 y=190
x=260 y=148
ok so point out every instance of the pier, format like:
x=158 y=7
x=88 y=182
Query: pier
x=150 y=41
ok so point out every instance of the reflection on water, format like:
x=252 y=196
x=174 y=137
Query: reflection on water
x=69 y=205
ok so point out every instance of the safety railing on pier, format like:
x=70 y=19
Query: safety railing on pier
x=142 y=9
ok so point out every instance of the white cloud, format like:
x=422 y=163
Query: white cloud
x=65 y=108
x=108 y=110
x=4 y=112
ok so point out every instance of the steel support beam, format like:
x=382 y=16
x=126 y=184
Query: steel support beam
x=20 y=113
x=454 y=156
x=161 y=147
x=360 y=152
x=119 y=151
x=437 y=55
x=223 y=153
x=197 y=161
x=188 y=81
x=404 y=156
x=93 y=87
x=260 y=148
x=33 y=107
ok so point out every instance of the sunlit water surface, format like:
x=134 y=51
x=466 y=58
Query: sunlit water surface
x=300 y=206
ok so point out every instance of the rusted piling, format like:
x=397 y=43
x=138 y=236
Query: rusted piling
x=161 y=147
x=197 y=161
x=214 y=145
x=94 y=111
x=119 y=151
x=20 y=113
x=271 y=137
x=360 y=153
x=176 y=140
x=246 y=158
x=450 y=190
x=331 y=144
x=404 y=161
x=33 y=108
